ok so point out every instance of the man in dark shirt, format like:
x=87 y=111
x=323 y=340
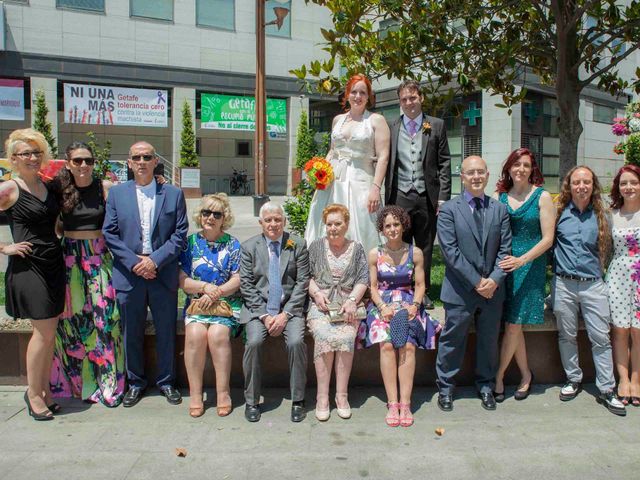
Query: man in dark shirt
x=579 y=254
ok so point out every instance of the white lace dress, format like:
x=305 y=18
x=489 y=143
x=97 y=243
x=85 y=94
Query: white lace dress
x=354 y=161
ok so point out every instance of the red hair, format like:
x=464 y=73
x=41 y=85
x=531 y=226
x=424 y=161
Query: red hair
x=358 y=77
x=616 y=197
x=505 y=182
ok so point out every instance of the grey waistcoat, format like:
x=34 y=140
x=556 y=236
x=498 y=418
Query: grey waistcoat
x=410 y=171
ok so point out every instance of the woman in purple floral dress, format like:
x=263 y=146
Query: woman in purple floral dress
x=396 y=271
x=623 y=280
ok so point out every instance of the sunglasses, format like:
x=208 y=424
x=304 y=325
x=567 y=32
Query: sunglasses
x=208 y=213
x=89 y=161
x=146 y=158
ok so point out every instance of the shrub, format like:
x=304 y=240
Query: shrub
x=632 y=149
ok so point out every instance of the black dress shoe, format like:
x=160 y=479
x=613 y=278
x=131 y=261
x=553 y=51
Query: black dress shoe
x=499 y=397
x=445 y=402
x=488 y=402
x=172 y=394
x=298 y=412
x=428 y=304
x=252 y=413
x=133 y=396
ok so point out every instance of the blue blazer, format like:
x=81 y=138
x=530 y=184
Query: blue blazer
x=123 y=233
x=468 y=257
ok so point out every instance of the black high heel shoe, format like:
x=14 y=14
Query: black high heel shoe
x=40 y=417
x=520 y=394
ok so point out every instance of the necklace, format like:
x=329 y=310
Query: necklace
x=391 y=250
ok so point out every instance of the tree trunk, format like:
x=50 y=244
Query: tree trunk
x=569 y=129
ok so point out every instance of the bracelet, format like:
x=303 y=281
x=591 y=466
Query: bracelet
x=417 y=304
x=376 y=185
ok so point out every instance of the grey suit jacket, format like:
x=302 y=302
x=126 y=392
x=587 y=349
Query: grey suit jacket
x=254 y=276
x=436 y=161
x=467 y=256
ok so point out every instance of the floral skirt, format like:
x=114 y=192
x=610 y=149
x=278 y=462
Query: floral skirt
x=374 y=329
x=88 y=360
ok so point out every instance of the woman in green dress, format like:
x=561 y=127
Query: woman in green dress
x=532 y=217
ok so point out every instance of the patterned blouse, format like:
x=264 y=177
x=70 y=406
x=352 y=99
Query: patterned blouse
x=212 y=262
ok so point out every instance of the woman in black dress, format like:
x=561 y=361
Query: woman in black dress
x=35 y=281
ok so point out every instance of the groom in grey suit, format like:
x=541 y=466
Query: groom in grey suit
x=419 y=172
x=274 y=279
x=474 y=234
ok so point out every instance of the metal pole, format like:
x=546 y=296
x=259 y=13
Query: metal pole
x=260 y=150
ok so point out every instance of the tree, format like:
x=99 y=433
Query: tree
x=188 y=155
x=459 y=47
x=306 y=145
x=40 y=122
x=102 y=156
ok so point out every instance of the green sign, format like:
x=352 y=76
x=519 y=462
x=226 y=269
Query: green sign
x=232 y=112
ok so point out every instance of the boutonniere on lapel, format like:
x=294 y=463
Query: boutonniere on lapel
x=426 y=127
x=290 y=245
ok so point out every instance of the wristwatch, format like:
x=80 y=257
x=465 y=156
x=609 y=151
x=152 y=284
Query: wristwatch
x=353 y=299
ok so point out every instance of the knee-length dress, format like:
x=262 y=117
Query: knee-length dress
x=34 y=285
x=352 y=267
x=524 y=301
x=395 y=286
x=623 y=275
x=88 y=360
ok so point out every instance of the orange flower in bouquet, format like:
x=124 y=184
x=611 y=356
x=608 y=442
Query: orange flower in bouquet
x=319 y=173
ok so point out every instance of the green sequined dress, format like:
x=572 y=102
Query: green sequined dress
x=524 y=302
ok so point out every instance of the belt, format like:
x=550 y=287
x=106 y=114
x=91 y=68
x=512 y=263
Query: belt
x=577 y=278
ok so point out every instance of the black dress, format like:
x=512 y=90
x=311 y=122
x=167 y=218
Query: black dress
x=35 y=285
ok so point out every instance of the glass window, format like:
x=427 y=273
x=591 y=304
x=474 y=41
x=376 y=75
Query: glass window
x=92 y=5
x=270 y=9
x=216 y=13
x=603 y=114
x=158 y=9
x=551 y=114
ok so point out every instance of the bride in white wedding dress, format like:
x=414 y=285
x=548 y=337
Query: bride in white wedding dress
x=359 y=155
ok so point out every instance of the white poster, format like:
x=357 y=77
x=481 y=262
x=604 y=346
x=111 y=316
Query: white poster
x=190 y=177
x=11 y=99
x=102 y=105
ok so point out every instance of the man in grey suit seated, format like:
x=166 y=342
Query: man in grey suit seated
x=274 y=279
x=474 y=234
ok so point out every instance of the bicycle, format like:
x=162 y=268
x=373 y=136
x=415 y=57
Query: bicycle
x=239 y=182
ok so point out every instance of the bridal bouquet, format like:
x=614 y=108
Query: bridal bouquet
x=319 y=173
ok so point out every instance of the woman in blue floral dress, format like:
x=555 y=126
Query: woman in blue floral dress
x=210 y=273
x=396 y=272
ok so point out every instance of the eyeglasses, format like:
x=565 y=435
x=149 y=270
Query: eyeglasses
x=89 y=161
x=208 y=213
x=473 y=173
x=146 y=158
x=27 y=155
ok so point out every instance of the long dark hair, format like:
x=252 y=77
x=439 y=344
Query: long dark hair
x=65 y=184
x=506 y=182
x=616 y=198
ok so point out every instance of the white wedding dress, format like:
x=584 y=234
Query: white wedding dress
x=354 y=161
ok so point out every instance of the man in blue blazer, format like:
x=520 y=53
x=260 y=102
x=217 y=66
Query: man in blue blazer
x=474 y=234
x=145 y=228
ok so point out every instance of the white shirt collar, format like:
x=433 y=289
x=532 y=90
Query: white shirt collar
x=149 y=190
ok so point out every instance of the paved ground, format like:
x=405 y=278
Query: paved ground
x=539 y=438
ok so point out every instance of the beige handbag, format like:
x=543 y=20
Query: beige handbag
x=217 y=309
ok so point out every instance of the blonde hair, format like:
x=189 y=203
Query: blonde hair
x=27 y=135
x=220 y=202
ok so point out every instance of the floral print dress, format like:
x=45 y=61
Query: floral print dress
x=213 y=262
x=623 y=275
x=395 y=286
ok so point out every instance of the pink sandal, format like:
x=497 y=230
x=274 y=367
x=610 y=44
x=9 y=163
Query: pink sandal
x=393 y=415
x=406 y=417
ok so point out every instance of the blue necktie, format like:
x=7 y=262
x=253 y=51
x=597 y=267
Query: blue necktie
x=275 y=284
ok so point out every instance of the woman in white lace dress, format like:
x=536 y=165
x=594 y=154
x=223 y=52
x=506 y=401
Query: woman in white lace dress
x=359 y=155
x=623 y=280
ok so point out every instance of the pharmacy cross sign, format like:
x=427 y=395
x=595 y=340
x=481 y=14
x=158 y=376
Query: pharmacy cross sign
x=472 y=113
x=531 y=112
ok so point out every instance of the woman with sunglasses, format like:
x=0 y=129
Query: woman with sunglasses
x=210 y=267
x=34 y=282
x=88 y=358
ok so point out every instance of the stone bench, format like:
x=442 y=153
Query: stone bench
x=542 y=349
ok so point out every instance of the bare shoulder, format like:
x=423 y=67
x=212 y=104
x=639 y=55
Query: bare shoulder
x=417 y=254
x=378 y=120
x=8 y=194
x=337 y=118
x=373 y=255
